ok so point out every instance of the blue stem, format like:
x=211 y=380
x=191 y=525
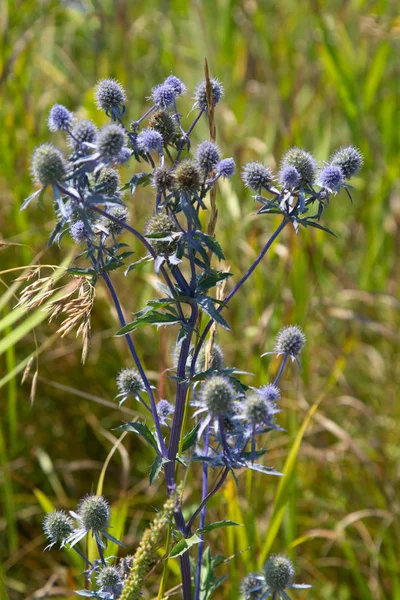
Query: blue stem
x=204 y=490
x=281 y=368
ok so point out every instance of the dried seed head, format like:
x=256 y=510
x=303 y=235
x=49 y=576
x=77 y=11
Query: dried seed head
x=94 y=512
x=57 y=526
x=331 y=178
x=251 y=586
x=109 y=180
x=130 y=382
x=279 y=572
x=60 y=118
x=118 y=212
x=163 y=122
x=163 y=178
x=48 y=164
x=207 y=155
x=303 y=161
x=109 y=580
x=161 y=223
x=187 y=177
x=150 y=141
x=290 y=340
x=256 y=176
x=349 y=159
x=218 y=395
x=110 y=141
x=200 y=96
x=109 y=94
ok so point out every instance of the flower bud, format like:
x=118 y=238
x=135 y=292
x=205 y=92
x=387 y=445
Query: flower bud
x=349 y=159
x=57 y=526
x=79 y=232
x=163 y=95
x=256 y=410
x=290 y=177
x=271 y=393
x=217 y=359
x=163 y=178
x=177 y=85
x=129 y=382
x=218 y=395
x=207 y=155
x=109 y=94
x=109 y=580
x=109 y=180
x=225 y=168
x=83 y=132
x=290 y=341
x=164 y=410
x=60 y=118
x=331 y=178
x=94 y=512
x=110 y=141
x=48 y=164
x=303 y=162
x=150 y=141
x=187 y=177
x=163 y=224
x=256 y=176
x=252 y=586
x=118 y=212
x=279 y=572
x=163 y=122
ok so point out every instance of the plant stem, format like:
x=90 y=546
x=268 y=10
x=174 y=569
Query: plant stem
x=281 y=368
x=202 y=517
x=215 y=489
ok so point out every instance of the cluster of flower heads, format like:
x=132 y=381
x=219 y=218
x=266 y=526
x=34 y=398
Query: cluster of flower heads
x=273 y=581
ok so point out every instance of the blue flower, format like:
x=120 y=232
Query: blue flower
x=200 y=95
x=60 y=118
x=290 y=177
x=349 y=159
x=163 y=95
x=150 y=141
x=256 y=176
x=177 y=85
x=207 y=155
x=331 y=178
x=109 y=95
x=225 y=168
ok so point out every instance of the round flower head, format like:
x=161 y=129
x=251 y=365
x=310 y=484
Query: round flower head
x=225 y=168
x=163 y=122
x=109 y=95
x=303 y=162
x=163 y=224
x=163 y=95
x=331 y=178
x=207 y=155
x=163 y=178
x=187 y=177
x=149 y=141
x=217 y=395
x=79 y=233
x=290 y=177
x=123 y=156
x=60 y=118
x=94 y=512
x=129 y=382
x=252 y=586
x=349 y=159
x=48 y=164
x=177 y=85
x=83 y=132
x=110 y=141
x=279 y=572
x=164 y=410
x=109 y=580
x=217 y=359
x=57 y=526
x=108 y=180
x=256 y=410
x=290 y=341
x=271 y=393
x=200 y=95
x=256 y=176
x=118 y=212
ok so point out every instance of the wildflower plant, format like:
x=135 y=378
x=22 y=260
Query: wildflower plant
x=229 y=418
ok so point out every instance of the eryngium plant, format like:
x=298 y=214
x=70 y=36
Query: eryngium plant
x=229 y=418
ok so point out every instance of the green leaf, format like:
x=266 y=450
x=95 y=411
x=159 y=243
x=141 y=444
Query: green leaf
x=210 y=279
x=217 y=525
x=183 y=545
x=207 y=305
x=190 y=438
x=152 y=318
x=80 y=271
x=305 y=223
x=211 y=243
x=155 y=468
x=138 y=179
x=142 y=430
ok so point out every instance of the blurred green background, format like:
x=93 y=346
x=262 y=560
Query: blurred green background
x=313 y=73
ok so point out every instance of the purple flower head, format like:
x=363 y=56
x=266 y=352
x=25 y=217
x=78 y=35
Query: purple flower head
x=150 y=141
x=270 y=393
x=177 y=85
x=110 y=141
x=123 y=156
x=303 y=161
x=200 y=95
x=60 y=118
x=225 y=168
x=109 y=581
x=279 y=572
x=207 y=155
x=83 y=132
x=165 y=410
x=163 y=95
x=331 y=178
x=256 y=176
x=349 y=159
x=290 y=341
x=109 y=95
x=290 y=177
x=79 y=233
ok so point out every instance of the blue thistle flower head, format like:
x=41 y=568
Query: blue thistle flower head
x=303 y=161
x=79 y=232
x=331 y=178
x=290 y=341
x=290 y=177
x=349 y=159
x=48 y=164
x=110 y=141
x=279 y=572
x=163 y=95
x=123 y=156
x=60 y=118
x=256 y=176
x=270 y=393
x=150 y=141
x=217 y=395
x=200 y=95
x=207 y=155
x=108 y=181
x=118 y=212
x=217 y=361
x=177 y=85
x=83 y=132
x=109 y=580
x=57 y=526
x=225 y=168
x=129 y=382
x=109 y=95
x=256 y=410
x=252 y=585
x=94 y=513
x=165 y=410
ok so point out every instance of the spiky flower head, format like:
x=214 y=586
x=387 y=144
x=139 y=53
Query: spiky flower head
x=225 y=168
x=251 y=586
x=110 y=141
x=150 y=141
x=83 y=132
x=279 y=572
x=349 y=159
x=290 y=341
x=48 y=164
x=270 y=392
x=187 y=176
x=163 y=178
x=217 y=395
x=79 y=232
x=125 y=565
x=109 y=95
x=256 y=176
x=118 y=212
x=331 y=178
x=303 y=161
x=178 y=86
x=109 y=580
x=161 y=223
x=200 y=95
x=57 y=526
x=123 y=156
x=217 y=359
x=163 y=95
x=94 y=512
x=290 y=177
x=256 y=410
x=109 y=180
x=207 y=155
x=129 y=382
x=60 y=118
x=164 y=410
x=163 y=122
